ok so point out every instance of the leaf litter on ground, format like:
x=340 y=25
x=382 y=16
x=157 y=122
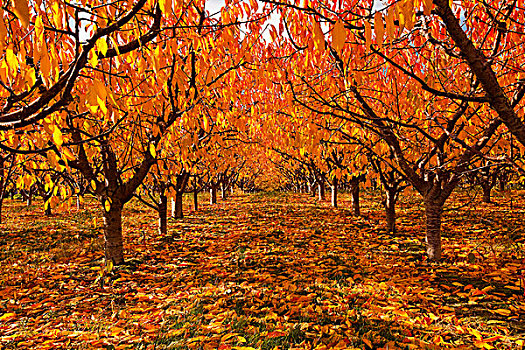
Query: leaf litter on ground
x=263 y=271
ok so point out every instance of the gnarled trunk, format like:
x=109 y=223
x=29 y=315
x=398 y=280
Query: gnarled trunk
x=334 y=192
x=433 y=212
x=113 y=246
x=163 y=215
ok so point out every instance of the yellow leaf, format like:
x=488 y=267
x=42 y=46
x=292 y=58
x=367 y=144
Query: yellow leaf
x=109 y=265
x=152 y=150
x=401 y=16
x=228 y=336
x=21 y=10
x=7 y=316
x=107 y=205
x=165 y=6
x=241 y=339
x=368 y=35
x=338 y=36
x=67 y=154
x=475 y=333
x=503 y=312
x=116 y=330
x=102 y=46
x=379 y=28
x=45 y=64
x=368 y=342
x=93 y=185
x=11 y=59
x=318 y=37
x=93 y=60
x=57 y=136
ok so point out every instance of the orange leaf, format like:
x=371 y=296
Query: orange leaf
x=338 y=36
x=21 y=10
x=368 y=35
x=379 y=28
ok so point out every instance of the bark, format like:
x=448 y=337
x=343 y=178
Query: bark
x=163 y=215
x=47 y=211
x=223 y=192
x=355 y=197
x=433 y=212
x=486 y=193
x=213 y=194
x=502 y=182
x=1 y=203
x=390 y=210
x=195 y=199
x=334 y=192
x=322 y=192
x=29 y=198
x=80 y=203
x=179 y=213
x=114 y=249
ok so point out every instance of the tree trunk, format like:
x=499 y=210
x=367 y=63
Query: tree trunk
x=2 y=194
x=322 y=194
x=113 y=246
x=179 y=214
x=195 y=199
x=486 y=193
x=80 y=203
x=355 y=197
x=47 y=211
x=172 y=207
x=433 y=212
x=163 y=215
x=213 y=194
x=223 y=192
x=390 y=211
x=334 y=192
x=29 y=199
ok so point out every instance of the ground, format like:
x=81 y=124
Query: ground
x=269 y=270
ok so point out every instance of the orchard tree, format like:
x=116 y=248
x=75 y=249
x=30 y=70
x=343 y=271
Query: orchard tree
x=408 y=89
